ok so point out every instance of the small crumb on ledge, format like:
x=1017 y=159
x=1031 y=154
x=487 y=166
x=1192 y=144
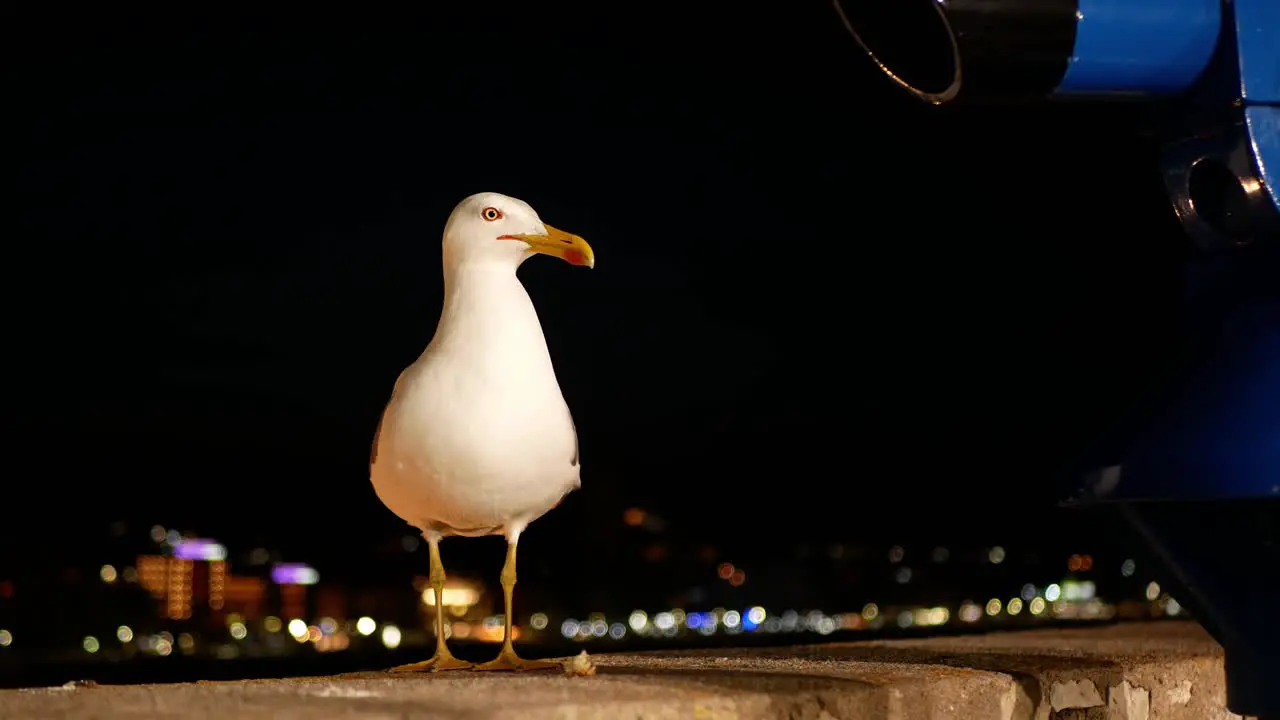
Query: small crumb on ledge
x=579 y=665
x=77 y=684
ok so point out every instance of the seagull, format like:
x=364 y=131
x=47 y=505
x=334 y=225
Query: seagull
x=477 y=438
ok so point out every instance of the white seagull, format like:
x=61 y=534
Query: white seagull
x=477 y=438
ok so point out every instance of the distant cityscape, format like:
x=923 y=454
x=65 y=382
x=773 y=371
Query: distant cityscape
x=180 y=596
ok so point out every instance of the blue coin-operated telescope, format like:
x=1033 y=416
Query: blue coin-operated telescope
x=1201 y=480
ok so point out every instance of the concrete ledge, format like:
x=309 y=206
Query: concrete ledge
x=1124 y=672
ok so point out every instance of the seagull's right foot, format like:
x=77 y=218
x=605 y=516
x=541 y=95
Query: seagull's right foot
x=437 y=663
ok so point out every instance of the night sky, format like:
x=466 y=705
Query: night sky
x=819 y=307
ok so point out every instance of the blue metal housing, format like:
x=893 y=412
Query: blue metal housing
x=1219 y=437
x=1140 y=47
x=1258 y=48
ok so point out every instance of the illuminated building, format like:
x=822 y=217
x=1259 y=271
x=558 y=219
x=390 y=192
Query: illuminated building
x=209 y=583
x=169 y=580
x=292 y=580
x=197 y=572
x=217 y=584
x=198 y=580
x=246 y=596
x=179 y=589
x=153 y=573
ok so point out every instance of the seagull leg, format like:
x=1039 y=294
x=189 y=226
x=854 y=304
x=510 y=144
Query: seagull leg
x=442 y=659
x=507 y=658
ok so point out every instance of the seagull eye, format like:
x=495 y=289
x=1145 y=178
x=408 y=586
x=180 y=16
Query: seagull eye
x=491 y=214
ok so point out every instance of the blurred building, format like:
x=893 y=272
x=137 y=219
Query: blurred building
x=195 y=583
x=246 y=596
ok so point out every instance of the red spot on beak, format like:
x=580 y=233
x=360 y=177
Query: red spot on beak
x=575 y=257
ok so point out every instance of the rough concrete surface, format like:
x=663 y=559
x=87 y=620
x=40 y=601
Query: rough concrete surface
x=1124 y=672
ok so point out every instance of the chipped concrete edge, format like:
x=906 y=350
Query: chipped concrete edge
x=1191 y=688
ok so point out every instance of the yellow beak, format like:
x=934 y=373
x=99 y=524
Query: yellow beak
x=558 y=243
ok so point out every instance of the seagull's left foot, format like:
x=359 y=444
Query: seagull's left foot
x=437 y=663
x=508 y=660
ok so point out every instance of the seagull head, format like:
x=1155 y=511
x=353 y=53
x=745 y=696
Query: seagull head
x=495 y=228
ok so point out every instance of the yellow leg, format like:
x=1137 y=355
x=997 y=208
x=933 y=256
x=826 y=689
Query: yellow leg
x=442 y=659
x=507 y=658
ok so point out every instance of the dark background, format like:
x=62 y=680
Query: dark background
x=821 y=311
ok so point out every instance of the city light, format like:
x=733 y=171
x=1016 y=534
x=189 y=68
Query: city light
x=456 y=596
x=366 y=625
x=294 y=574
x=199 y=549
x=1074 y=591
x=1153 y=590
x=1080 y=563
x=931 y=617
x=391 y=636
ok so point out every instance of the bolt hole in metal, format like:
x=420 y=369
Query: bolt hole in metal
x=911 y=40
x=1220 y=199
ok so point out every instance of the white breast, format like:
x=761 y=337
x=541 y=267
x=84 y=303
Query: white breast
x=477 y=434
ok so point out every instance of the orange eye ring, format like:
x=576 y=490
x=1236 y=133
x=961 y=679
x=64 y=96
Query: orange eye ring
x=491 y=214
